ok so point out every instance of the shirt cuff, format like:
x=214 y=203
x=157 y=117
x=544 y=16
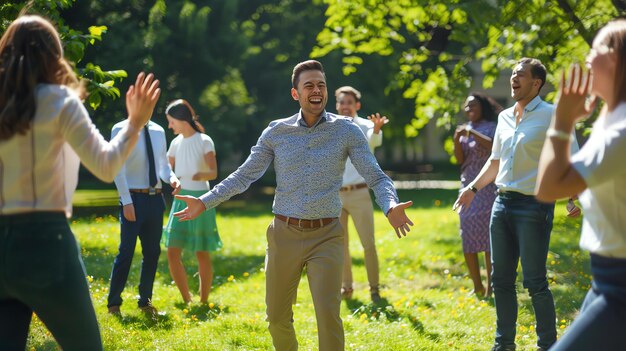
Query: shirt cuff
x=126 y=199
x=207 y=201
x=389 y=206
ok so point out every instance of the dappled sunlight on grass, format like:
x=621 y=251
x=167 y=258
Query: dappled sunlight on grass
x=427 y=301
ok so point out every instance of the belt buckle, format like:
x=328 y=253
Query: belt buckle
x=151 y=191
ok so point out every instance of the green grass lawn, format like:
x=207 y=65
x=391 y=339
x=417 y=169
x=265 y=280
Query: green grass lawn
x=427 y=303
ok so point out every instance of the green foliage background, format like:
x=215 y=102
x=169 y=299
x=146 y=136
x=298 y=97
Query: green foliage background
x=414 y=61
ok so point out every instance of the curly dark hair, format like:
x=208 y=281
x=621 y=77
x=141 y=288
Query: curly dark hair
x=489 y=107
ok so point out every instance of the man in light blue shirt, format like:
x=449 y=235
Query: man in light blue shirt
x=309 y=151
x=520 y=225
x=141 y=213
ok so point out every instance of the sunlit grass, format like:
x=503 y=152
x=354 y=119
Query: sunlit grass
x=427 y=303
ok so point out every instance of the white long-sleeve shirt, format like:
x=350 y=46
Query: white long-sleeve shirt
x=351 y=176
x=134 y=172
x=39 y=170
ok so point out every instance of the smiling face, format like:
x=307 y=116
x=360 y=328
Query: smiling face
x=311 y=93
x=524 y=87
x=347 y=105
x=473 y=109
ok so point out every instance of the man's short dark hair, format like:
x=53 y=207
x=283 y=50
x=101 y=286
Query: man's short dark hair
x=537 y=69
x=309 y=65
x=350 y=91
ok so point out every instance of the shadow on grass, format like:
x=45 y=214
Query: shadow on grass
x=160 y=321
x=48 y=345
x=384 y=310
x=99 y=262
x=202 y=312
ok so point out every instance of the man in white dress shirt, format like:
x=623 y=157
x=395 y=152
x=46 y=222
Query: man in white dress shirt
x=355 y=196
x=520 y=225
x=141 y=215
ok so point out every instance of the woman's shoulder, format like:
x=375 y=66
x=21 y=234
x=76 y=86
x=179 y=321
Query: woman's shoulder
x=205 y=137
x=62 y=93
x=177 y=139
x=55 y=100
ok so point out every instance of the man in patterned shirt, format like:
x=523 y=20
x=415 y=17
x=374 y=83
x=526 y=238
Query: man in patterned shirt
x=309 y=151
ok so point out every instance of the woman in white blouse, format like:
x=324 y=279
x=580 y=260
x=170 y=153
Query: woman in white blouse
x=44 y=129
x=192 y=157
x=598 y=171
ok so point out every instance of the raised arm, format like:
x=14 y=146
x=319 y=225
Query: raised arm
x=261 y=156
x=384 y=191
x=556 y=177
x=104 y=159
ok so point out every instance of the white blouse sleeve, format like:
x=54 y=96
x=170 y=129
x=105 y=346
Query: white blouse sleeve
x=103 y=159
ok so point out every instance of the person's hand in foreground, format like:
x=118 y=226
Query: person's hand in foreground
x=399 y=220
x=464 y=200
x=194 y=208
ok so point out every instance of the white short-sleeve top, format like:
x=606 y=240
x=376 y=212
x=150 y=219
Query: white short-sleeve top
x=188 y=154
x=601 y=164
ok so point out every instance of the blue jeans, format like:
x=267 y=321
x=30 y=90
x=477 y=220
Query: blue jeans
x=520 y=229
x=148 y=227
x=602 y=319
x=41 y=271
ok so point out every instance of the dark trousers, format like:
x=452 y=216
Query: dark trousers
x=602 y=319
x=148 y=228
x=41 y=271
x=520 y=230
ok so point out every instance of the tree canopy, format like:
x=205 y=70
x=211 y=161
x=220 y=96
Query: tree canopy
x=100 y=83
x=435 y=44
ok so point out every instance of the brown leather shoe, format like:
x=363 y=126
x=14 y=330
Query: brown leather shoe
x=115 y=310
x=149 y=310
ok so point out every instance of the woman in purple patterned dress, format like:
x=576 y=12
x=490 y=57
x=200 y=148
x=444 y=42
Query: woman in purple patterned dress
x=472 y=148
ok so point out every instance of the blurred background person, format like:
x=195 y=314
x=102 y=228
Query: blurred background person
x=45 y=132
x=598 y=173
x=192 y=156
x=472 y=148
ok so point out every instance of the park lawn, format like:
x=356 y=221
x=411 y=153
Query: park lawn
x=426 y=304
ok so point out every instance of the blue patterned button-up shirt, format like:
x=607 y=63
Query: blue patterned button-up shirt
x=309 y=165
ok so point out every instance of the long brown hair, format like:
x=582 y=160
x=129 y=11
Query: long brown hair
x=30 y=53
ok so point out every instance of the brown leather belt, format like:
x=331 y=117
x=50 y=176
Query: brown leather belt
x=353 y=187
x=306 y=223
x=152 y=191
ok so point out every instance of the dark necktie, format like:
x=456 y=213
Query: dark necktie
x=151 y=168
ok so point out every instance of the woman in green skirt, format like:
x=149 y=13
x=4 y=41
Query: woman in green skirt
x=192 y=156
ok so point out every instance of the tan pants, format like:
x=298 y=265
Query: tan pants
x=289 y=251
x=358 y=204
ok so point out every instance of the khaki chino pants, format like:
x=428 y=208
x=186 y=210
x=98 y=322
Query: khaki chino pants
x=291 y=249
x=358 y=204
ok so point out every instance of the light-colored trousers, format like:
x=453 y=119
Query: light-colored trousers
x=291 y=249
x=358 y=204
